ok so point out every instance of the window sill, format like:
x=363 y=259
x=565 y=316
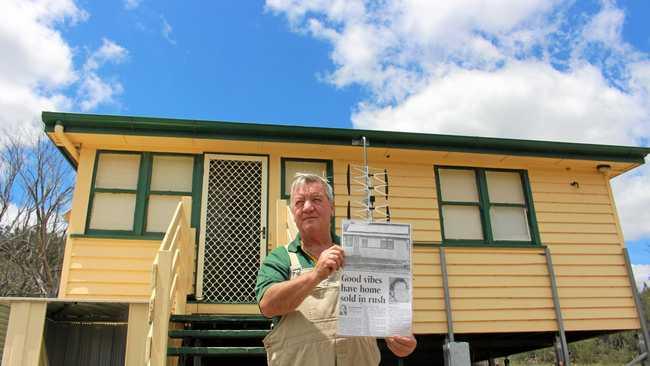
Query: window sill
x=156 y=237
x=479 y=245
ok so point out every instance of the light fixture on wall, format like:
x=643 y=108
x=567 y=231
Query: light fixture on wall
x=604 y=168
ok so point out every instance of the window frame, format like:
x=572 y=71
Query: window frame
x=484 y=206
x=329 y=168
x=142 y=193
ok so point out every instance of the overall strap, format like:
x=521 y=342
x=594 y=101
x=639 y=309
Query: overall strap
x=296 y=268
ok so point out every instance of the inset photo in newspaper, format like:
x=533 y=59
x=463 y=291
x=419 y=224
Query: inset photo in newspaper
x=399 y=290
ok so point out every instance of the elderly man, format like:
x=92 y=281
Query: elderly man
x=298 y=286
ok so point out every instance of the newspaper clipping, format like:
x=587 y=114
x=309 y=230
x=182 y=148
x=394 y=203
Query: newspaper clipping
x=376 y=283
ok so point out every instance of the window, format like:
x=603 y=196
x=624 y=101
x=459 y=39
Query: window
x=137 y=193
x=291 y=166
x=485 y=206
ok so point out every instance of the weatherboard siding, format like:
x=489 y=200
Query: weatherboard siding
x=577 y=222
x=580 y=226
x=110 y=268
x=492 y=289
x=78 y=210
x=412 y=196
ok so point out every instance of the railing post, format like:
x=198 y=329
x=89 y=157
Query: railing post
x=161 y=312
x=281 y=222
x=187 y=209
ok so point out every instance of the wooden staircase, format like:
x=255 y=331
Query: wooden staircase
x=218 y=339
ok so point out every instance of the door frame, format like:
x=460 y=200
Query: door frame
x=200 y=258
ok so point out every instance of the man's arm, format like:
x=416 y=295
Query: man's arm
x=284 y=297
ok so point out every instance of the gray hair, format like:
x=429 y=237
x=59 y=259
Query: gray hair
x=302 y=179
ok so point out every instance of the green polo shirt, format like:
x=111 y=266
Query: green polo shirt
x=276 y=266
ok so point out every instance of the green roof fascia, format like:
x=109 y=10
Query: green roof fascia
x=147 y=126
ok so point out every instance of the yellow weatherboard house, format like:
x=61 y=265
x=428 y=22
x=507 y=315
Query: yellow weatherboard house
x=517 y=244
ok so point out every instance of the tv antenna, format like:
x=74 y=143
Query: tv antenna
x=373 y=182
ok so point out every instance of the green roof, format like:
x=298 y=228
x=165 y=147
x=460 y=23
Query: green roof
x=147 y=126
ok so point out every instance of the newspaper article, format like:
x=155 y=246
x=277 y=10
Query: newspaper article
x=376 y=283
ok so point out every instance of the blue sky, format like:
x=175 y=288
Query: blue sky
x=538 y=69
x=222 y=60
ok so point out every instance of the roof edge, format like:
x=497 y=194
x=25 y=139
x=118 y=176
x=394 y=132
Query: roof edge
x=152 y=126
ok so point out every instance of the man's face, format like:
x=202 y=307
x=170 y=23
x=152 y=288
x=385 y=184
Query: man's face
x=311 y=210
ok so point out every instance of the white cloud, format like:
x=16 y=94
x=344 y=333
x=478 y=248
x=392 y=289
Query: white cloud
x=524 y=69
x=391 y=46
x=520 y=100
x=167 y=30
x=131 y=4
x=606 y=26
x=93 y=90
x=36 y=61
x=641 y=275
x=37 y=70
x=109 y=51
x=10 y=215
x=632 y=192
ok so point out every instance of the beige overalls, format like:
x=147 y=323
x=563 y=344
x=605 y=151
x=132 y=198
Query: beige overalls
x=307 y=336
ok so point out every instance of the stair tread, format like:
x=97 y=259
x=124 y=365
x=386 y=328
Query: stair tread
x=213 y=333
x=216 y=351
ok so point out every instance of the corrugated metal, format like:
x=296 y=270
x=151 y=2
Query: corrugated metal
x=4 y=321
x=81 y=344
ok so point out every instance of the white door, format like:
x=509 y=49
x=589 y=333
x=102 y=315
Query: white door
x=233 y=228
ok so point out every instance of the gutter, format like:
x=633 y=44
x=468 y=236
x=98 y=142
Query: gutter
x=148 y=126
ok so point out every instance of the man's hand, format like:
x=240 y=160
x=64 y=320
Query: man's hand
x=401 y=346
x=284 y=297
x=329 y=261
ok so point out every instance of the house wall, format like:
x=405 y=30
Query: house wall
x=492 y=289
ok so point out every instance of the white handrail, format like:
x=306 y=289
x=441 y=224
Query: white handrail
x=171 y=282
x=292 y=229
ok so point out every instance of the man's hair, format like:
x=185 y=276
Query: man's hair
x=302 y=179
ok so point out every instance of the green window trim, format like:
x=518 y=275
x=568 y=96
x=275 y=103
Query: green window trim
x=329 y=166
x=484 y=205
x=142 y=193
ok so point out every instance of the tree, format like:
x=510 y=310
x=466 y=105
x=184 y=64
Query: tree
x=35 y=191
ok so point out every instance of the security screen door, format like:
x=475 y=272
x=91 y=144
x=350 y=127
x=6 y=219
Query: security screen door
x=233 y=228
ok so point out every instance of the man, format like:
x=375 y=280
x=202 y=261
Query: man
x=297 y=285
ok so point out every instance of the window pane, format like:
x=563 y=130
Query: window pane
x=113 y=211
x=117 y=171
x=172 y=173
x=160 y=211
x=509 y=223
x=462 y=222
x=293 y=167
x=505 y=187
x=458 y=185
